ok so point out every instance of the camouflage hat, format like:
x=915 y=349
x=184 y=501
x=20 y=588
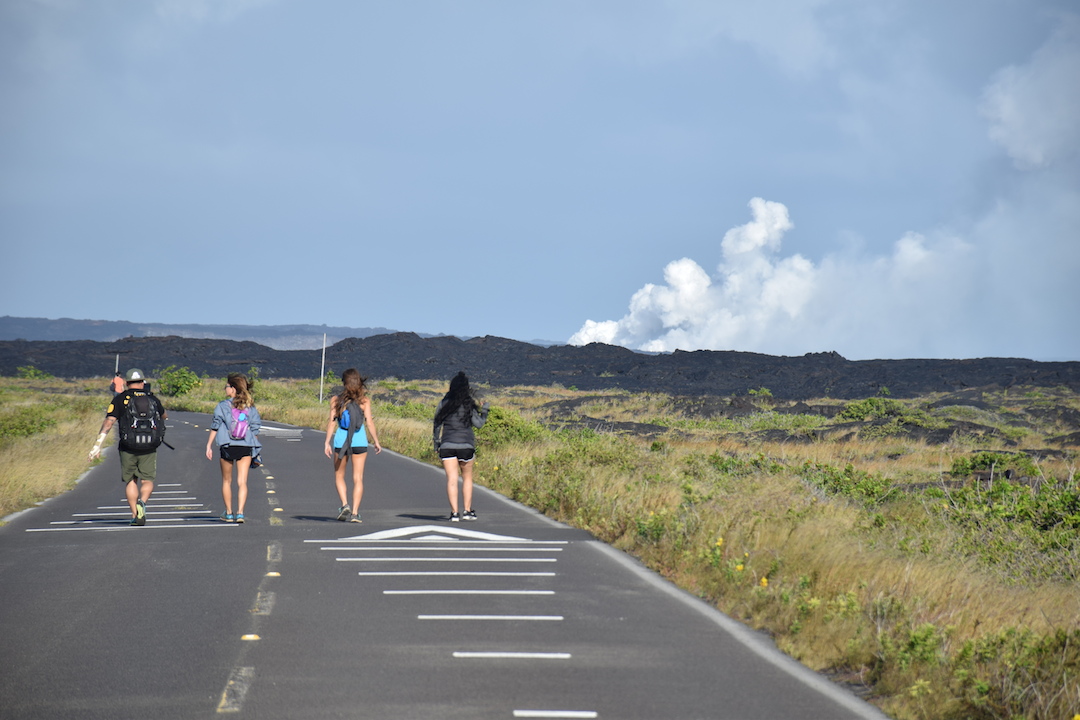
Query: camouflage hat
x=134 y=375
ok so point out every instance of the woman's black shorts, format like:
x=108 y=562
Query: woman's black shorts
x=235 y=452
x=463 y=454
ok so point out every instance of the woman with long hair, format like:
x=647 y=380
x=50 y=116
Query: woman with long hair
x=455 y=442
x=347 y=436
x=235 y=426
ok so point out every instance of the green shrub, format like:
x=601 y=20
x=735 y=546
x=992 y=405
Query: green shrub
x=849 y=482
x=873 y=408
x=25 y=421
x=506 y=426
x=29 y=372
x=995 y=461
x=175 y=381
x=410 y=409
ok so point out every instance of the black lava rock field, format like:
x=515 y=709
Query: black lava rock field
x=501 y=362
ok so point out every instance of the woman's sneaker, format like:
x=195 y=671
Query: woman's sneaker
x=228 y=517
x=240 y=517
x=355 y=518
x=343 y=513
x=454 y=517
x=469 y=515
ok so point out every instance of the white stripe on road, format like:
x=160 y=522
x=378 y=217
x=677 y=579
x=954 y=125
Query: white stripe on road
x=153 y=505
x=113 y=522
x=448 y=573
x=232 y=698
x=409 y=559
x=413 y=548
x=468 y=592
x=489 y=617
x=105 y=528
x=426 y=540
x=513 y=655
x=128 y=513
x=555 y=714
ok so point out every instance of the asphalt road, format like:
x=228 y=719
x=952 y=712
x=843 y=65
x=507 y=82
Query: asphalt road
x=295 y=615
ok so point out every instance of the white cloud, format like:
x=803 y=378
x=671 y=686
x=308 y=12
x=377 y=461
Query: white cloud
x=904 y=304
x=693 y=310
x=1034 y=109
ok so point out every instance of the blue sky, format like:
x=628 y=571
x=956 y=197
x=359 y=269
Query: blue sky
x=885 y=179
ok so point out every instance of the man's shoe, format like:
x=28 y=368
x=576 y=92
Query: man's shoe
x=140 y=512
x=343 y=513
x=469 y=515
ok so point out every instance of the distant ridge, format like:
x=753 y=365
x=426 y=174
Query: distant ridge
x=503 y=362
x=278 y=337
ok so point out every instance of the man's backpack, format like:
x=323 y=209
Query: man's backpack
x=239 y=428
x=141 y=426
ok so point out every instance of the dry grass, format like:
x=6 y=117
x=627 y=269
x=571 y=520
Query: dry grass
x=40 y=465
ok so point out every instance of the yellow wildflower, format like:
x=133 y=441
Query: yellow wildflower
x=764 y=582
x=739 y=567
x=719 y=542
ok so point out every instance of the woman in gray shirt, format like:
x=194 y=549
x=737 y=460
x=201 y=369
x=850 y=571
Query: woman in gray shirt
x=452 y=432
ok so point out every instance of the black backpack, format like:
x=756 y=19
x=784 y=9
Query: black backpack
x=141 y=426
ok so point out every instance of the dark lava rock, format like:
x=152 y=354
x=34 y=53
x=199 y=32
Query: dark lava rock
x=595 y=367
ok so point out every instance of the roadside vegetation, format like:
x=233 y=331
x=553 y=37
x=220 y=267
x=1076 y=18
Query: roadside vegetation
x=924 y=552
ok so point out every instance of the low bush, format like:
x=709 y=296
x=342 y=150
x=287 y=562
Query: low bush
x=174 y=381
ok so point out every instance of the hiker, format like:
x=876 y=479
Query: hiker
x=141 y=418
x=237 y=424
x=455 y=442
x=347 y=435
x=117 y=384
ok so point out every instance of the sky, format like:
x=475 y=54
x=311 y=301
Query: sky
x=888 y=179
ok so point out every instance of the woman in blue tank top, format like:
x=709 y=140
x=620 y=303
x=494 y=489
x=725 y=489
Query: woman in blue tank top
x=347 y=436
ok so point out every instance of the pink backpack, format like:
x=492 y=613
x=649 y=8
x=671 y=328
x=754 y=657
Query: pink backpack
x=239 y=429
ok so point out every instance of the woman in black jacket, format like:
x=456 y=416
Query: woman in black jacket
x=452 y=432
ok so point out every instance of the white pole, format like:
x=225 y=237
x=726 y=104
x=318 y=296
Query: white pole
x=322 y=370
x=117 y=363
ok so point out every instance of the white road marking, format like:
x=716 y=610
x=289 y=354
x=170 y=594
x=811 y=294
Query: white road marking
x=555 y=714
x=232 y=698
x=437 y=559
x=448 y=573
x=113 y=522
x=490 y=617
x=514 y=655
x=106 y=528
x=442 y=533
x=468 y=592
x=153 y=505
x=413 y=548
x=128 y=513
x=264 y=603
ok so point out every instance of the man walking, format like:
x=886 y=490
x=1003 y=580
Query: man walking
x=141 y=419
